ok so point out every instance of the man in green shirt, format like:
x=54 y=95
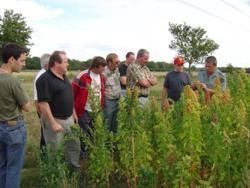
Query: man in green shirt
x=12 y=129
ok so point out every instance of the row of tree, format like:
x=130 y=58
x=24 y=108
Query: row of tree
x=33 y=63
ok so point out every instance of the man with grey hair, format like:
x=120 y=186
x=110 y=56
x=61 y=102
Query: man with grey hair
x=139 y=75
x=44 y=60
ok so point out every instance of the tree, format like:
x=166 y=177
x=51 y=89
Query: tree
x=192 y=43
x=13 y=28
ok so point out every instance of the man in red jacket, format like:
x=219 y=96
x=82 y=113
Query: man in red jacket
x=93 y=79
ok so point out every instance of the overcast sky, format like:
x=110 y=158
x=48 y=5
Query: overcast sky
x=86 y=28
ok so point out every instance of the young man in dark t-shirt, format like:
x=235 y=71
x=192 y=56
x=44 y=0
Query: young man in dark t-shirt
x=55 y=100
x=174 y=83
x=130 y=58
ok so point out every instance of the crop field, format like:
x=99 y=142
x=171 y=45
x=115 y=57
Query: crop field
x=195 y=143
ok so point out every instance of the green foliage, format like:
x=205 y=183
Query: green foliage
x=53 y=169
x=194 y=144
x=33 y=63
x=191 y=42
x=132 y=141
x=100 y=147
x=160 y=132
x=13 y=28
x=159 y=66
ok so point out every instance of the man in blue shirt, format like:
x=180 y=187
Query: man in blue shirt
x=174 y=83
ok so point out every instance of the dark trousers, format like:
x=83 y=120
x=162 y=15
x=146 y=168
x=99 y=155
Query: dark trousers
x=86 y=124
x=42 y=140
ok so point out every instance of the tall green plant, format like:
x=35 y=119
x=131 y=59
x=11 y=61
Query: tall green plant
x=190 y=141
x=133 y=143
x=159 y=128
x=101 y=164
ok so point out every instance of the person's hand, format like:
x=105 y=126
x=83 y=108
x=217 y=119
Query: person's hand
x=56 y=127
x=165 y=105
x=203 y=86
x=75 y=118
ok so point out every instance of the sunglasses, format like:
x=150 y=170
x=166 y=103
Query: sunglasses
x=116 y=62
x=179 y=65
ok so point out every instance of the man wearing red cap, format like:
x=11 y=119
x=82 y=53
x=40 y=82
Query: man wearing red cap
x=174 y=83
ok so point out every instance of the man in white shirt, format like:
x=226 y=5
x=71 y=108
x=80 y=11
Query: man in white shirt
x=94 y=78
x=44 y=67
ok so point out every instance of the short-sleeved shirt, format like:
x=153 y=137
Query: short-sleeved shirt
x=57 y=92
x=12 y=97
x=34 y=84
x=175 y=82
x=123 y=72
x=135 y=73
x=95 y=86
x=210 y=80
x=112 y=84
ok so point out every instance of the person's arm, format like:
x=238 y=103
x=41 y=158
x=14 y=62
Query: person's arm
x=164 y=100
x=123 y=80
x=152 y=80
x=75 y=116
x=21 y=97
x=148 y=82
x=144 y=83
x=123 y=75
x=223 y=82
x=37 y=107
x=46 y=112
x=26 y=107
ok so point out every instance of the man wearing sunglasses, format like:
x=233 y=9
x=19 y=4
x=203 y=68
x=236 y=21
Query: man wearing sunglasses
x=174 y=83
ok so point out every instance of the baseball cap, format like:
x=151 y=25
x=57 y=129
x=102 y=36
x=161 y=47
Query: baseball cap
x=179 y=60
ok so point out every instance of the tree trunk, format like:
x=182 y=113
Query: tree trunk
x=189 y=69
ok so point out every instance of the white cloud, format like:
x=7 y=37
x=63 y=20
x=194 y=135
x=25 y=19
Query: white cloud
x=32 y=10
x=88 y=28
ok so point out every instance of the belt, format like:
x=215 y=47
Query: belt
x=115 y=99
x=145 y=96
x=63 y=118
x=13 y=121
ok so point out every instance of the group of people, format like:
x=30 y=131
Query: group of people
x=176 y=80
x=61 y=103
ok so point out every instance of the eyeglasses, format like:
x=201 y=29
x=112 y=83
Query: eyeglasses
x=179 y=65
x=116 y=62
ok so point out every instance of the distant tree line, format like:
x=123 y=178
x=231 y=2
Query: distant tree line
x=33 y=63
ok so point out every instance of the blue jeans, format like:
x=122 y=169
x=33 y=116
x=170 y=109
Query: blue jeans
x=123 y=92
x=110 y=112
x=12 y=143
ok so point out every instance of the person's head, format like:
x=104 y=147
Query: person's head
x=130 y=58
x=44 y=61
x=112 y=61
x=210 y=64
x=15 y=56
x=142 y=56
x=178 y=63
x=98 y=64
x=58 y=61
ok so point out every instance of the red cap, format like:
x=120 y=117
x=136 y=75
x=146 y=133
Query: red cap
x=179 y=60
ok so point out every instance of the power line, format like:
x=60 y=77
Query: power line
x=235 y=8
x=211 y=14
